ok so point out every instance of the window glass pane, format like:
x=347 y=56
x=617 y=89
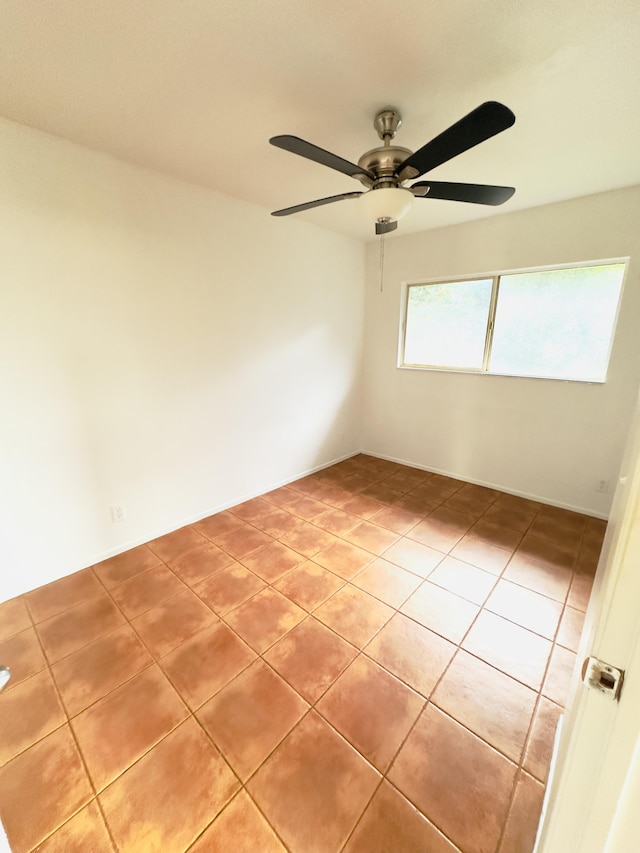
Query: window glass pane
x=556 y=323
x=447 y=323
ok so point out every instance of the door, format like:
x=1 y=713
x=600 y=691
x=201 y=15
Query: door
x=592 y=799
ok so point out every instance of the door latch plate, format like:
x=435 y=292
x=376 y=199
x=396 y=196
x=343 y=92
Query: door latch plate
x=603 y=677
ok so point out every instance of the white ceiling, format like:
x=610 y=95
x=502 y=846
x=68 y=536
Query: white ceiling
x=195 y=88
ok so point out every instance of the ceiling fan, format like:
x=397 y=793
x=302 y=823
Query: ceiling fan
x=385 y=170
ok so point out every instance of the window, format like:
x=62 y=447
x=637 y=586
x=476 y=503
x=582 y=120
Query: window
x=553 y=324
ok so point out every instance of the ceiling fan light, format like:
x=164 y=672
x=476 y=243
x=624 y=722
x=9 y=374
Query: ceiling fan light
x=387 y=203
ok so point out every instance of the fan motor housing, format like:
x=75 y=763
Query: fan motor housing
x=383 y=162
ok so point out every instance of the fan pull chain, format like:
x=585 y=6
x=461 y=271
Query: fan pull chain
x=381 y=261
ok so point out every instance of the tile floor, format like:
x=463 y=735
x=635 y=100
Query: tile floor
x=373 y=658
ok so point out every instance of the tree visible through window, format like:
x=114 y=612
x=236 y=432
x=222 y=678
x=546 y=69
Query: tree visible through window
x=554 y=324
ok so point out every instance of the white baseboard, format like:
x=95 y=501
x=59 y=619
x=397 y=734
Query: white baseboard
x=501 y=488
x=157 y=532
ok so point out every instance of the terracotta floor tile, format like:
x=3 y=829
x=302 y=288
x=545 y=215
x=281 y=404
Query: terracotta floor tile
x=371 y=537
x=559 y=676
x=314 y=787
x=414 y=556
x=587 y=562
x=359 y=481
x=94 y=670
x=459 y=782
x=548 y=553
x=272 y=561
x=513 y=517
x=595 y=529
x=434 y=490
x=242 y=540
x=344 y=559
x=589 y=553
x=535 y=563
x=407 y=478
x=117 y=569
x=265 y=618
x=580 y=592
x=572 y=521
x=28 y=713
x=86 y=831
x=474 y=500
x=172 y=622
x=383 y=493
x=215 y=525
x=310 y=485
x=372 y=709
x=354 y=614
x=524 y=816
x=570 y=630
x=412 y=653
x=447 y=485
x=145 y=590
x=334 y=495
x=416 y=505
x=278 y=523
x=177 y=544
x=510 y=648
x=166 y=799
x=525 y=607
x=308 y=585
x=206 y=662
x=443 y=529
x=23 y=654
x=496 y=534
x=200 y=563
x=463 y=579
x=229 y=587
x=540 y=745
x=310 y=658
x=386 y=581
x=482 y=554
x=250 y=716
x=397 y=519
x=49 y=600
x=239 y=828
x=14 y=617
x=41 y=788
x=122 y=726
x=518 y=504
x=391 y=823
x=253 y=509
x=491 y=704
x=305 y=507
x=441 y=611
x=336 y=521
x=567 y=539
x=282 y=496
x=307 y=539
x=549 y=581
x=65 y=633
x=361 y=505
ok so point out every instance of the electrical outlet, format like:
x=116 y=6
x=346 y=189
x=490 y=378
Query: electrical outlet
x=602 y=485
x=117 y=513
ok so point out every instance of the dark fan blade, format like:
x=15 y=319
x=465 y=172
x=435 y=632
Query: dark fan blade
x=480 y=124
x=319 y=155
x=474 y=193
x=286 y=211
x=386 y=227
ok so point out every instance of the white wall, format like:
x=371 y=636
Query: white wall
x=545 y=439
x=162 y=347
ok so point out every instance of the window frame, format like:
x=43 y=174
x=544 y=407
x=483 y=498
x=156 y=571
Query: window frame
x=496 y=276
